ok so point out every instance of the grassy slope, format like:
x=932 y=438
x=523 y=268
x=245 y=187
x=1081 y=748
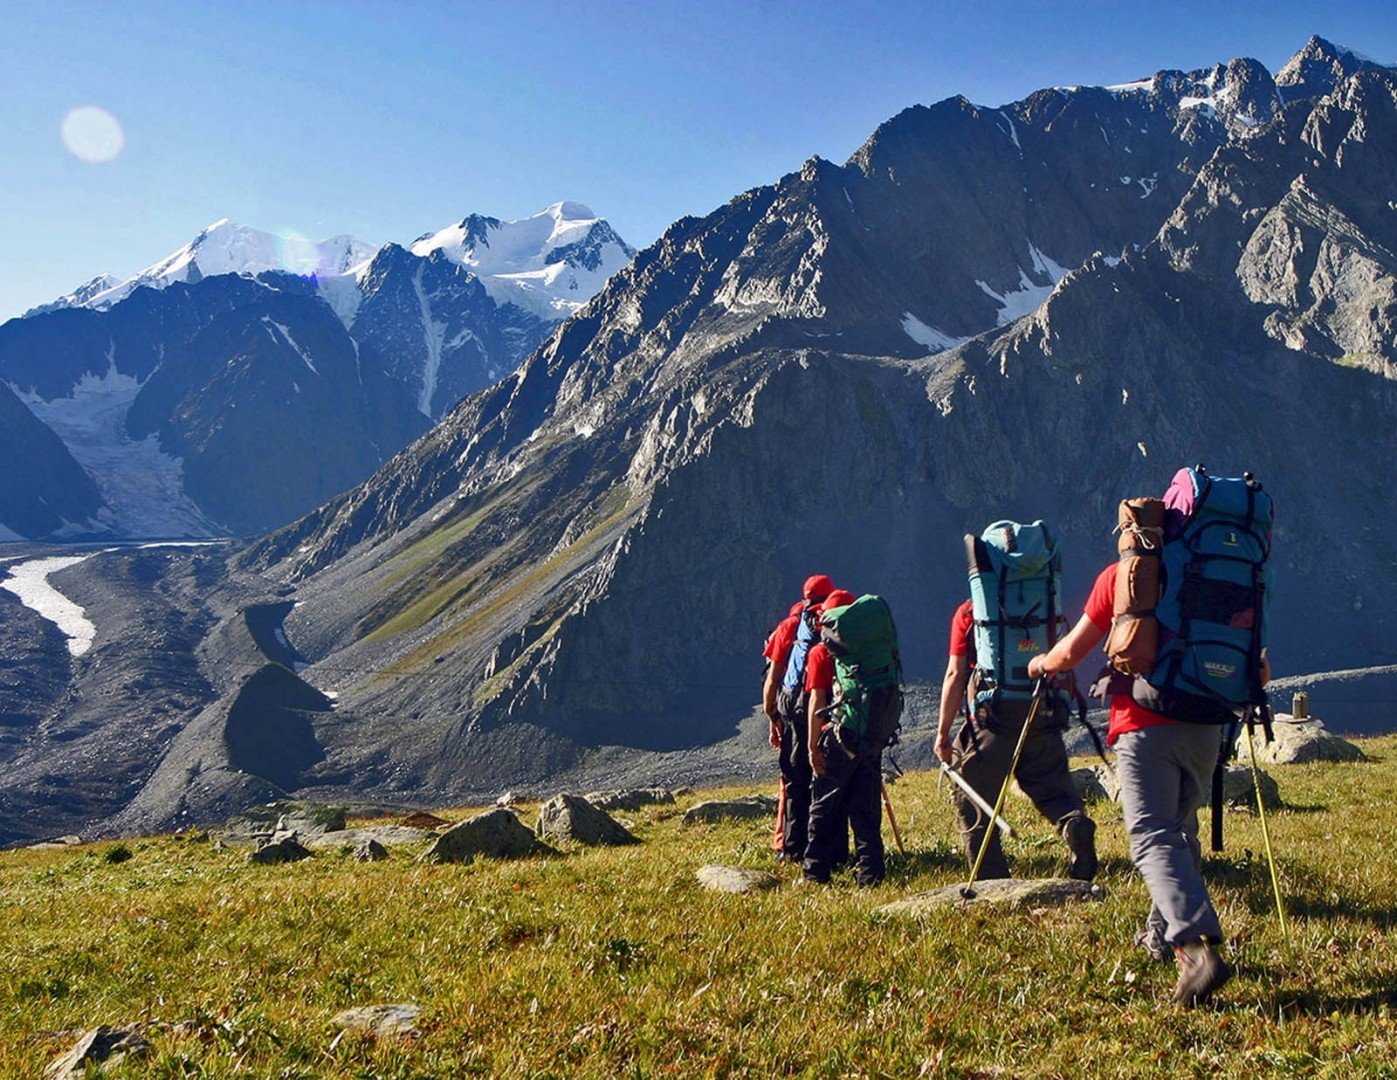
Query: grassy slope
x=614 y=962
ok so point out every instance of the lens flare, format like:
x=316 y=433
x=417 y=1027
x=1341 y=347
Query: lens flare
x=92 y=134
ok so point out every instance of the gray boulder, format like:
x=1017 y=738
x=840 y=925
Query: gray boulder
x=747 y=808
x=630 y=798
x=1299 y=742
x=736 y=879
x=1239 y=789
x=997 y=892
x=387 y=835
x=496 y=833
x=370 y=850
x=103 y=1044
x=282 y=847
x=572 y=819
x=380 y=1021
x=1096 y=783
x=284 y=815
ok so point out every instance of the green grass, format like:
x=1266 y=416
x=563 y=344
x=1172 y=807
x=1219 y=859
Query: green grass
x=613 y=962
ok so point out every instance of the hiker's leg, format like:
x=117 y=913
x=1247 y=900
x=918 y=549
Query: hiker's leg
x=1159 y=769
x=795 y=769
x=1045 y=777
x=866 y=816
x=982 y=757
x=828 y=812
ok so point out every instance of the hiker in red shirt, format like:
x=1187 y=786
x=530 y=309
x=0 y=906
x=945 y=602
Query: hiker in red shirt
x=983 y=750
x=1164 y=767
x=783 y=699
x=843 y=789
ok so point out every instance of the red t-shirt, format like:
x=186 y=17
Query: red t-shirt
x=962 y=636
x=819 y=669
x=1126 y=713
x=779 y=642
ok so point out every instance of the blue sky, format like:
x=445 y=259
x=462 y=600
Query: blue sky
x=388 y=120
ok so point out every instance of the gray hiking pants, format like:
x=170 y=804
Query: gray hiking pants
x=983 y=750
x=1165 y=774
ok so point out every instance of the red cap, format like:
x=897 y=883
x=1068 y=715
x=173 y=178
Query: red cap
x=817 y=587
x=837 y=598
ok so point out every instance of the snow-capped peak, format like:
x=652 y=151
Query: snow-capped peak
x=225 y=247
x=550 y=263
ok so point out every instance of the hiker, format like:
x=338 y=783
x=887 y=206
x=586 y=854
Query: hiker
x=783 y=700
x=1016 y=619
x=1164 y=765
x=855 y=700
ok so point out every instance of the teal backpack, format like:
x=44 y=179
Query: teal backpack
x=1016 y=595
x=862 y=639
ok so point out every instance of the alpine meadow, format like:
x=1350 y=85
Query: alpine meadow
x=509 y=651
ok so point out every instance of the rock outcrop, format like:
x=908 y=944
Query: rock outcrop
x=496 y=834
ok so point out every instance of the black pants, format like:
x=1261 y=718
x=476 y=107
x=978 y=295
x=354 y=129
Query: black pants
x=850 y=790
x=795 y=771
x=984 y=747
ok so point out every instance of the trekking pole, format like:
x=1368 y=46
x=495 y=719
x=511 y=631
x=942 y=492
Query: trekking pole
x=976 y=798
x=888 y=806
x=1266 y=835
x=778 y=837
x=969 y=890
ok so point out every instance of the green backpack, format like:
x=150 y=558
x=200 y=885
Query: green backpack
x=862 y=639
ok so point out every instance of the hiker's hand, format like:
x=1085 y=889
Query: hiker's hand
x=775 y=735
x=944 y=749
x=1037 y=666
x=1265 y=671
x=817 y=761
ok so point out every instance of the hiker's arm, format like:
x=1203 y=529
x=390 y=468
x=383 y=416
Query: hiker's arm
x=952 y=694
x=769 y=689
x=1069 y=652
x=819 y=698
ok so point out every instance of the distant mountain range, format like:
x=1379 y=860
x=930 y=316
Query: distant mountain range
x=247 y=377
x=1025 y=311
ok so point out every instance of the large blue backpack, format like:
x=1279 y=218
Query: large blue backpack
x=1213 y=598
x=1016 y=596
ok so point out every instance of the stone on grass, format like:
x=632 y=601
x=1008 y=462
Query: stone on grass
x=103 y=1044
x=507 y=799
x=370 y=850
x=1096 y=783
x=387 y=835
x=423 y=820
x=380 y=1021
x=572 y=819
x=1239 y=790
x=747 y=808
x=282 y=847
x=496 y=833
x=736 y=879
x=629 y=798
x=1298 y=742
x=284 y=815
x=995 y=892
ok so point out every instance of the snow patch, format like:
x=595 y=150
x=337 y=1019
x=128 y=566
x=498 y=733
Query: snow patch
x=29 y=582
x=585 y=431
x=928 y=336
x=432 y=334
x=1143 y=452
x=1029 y=296
x=1139 y=86
x=1013 y=131
x=286 y=333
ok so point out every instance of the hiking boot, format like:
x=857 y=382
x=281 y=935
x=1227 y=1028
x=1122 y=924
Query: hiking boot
x=1152 y=941
x=1202 y=972
x=1080 y=833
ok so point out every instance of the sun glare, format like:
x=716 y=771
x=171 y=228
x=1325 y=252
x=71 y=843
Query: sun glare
x=92 y=134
